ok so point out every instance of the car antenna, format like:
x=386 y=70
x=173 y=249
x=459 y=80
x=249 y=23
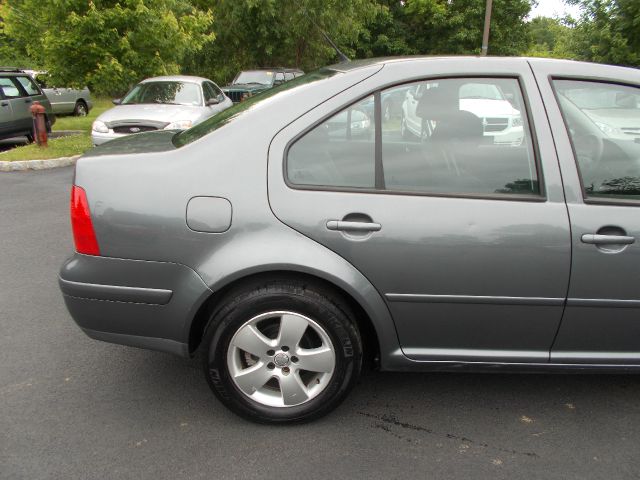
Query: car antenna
x=341 y=56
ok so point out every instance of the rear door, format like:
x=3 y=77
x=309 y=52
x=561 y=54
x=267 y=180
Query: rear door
x=595 y=115
x=19 y=103
x=467 y=239
x=6 y=114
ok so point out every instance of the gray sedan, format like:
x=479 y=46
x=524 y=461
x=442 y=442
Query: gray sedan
x=161 y=103
x=290 y=261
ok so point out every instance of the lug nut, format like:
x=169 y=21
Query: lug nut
x=271 y=365
x=285 y=370
x=271 y=353
x=284 y=348
x=294 y=359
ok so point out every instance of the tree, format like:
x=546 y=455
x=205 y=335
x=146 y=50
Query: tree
x=550 y=37
x=10 y=51
x=386 y=33
x=263 y=33
x=106 y=44
x=608 y=32
x=455 y=26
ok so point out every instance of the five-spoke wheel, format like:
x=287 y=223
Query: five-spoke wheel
x=282 y=352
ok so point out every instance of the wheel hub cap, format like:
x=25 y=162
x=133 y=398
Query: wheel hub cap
x=281 y=360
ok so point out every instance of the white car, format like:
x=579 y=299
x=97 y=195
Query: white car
x=501 y=121
x=161 y=103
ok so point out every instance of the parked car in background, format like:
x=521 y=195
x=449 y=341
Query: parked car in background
x=18 y=91
x=616 y=113
x=173 y=102
x=249 y=82
x=285 y=253
x=64 y=100
x=501 y=121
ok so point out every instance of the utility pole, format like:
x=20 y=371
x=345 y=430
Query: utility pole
x=487 y=24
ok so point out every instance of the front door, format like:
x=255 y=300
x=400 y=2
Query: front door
x=461 y=232
x=602 y=319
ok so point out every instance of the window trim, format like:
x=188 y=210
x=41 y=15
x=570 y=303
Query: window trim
x=376 y=93
x=586 y=199
x=33 y=81
x=18 y=86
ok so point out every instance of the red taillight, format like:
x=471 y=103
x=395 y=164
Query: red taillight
x=83 y=234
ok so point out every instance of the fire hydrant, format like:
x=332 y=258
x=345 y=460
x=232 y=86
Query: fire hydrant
x=39 y=123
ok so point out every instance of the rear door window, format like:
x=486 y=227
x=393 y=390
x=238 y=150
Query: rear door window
x=603 y=121
x=458 y=136
x=10 y=88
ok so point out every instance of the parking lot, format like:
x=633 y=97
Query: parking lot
x=71 y=407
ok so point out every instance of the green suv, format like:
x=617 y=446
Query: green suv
x=249 y=82
x=18 y=91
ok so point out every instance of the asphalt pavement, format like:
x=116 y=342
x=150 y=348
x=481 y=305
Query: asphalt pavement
x=75 y=408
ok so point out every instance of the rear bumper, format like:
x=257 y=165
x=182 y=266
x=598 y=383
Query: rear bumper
x=133 y=302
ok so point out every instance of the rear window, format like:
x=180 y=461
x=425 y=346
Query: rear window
x=230 y=114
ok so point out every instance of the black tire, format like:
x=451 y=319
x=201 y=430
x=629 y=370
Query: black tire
x=81 y=109
x=309 y=300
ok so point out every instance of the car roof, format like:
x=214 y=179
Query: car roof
x=14 y=70
x=177 y=78
x=362 y=63
x=272 y=69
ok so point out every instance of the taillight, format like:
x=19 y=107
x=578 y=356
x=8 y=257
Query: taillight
x=83 y=234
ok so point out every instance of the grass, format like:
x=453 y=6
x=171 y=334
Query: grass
x=69 y=122
x=64 y=146
x=58 y=147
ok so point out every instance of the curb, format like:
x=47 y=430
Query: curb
x=21 y=165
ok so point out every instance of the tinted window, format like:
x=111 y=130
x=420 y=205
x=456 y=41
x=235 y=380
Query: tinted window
x=239 y=109
x=288 y=76
x=466 y=136
x=174 y=93
x=262 y=77
x=604 y=126
x=340 y=152
x=9 y=88
x=208 y=92
x=216 y=91
x=29 y=85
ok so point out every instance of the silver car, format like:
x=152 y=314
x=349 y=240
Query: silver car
x=161 y=103
x=289 y=261
x=64 y=100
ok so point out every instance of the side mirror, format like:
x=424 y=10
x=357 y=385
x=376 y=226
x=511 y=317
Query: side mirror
x=212 y=101
x=116 y=101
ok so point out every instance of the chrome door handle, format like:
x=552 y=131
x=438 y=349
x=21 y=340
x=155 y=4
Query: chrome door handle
x=595 y=239
x=343 y=226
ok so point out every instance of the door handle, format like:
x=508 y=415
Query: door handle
x=4 y=104
x=28 y=100
x=344 y=226
x=595 y=239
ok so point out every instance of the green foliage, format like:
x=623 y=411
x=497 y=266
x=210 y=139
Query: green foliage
x=263 y=33
x=455 y=27
x=608 y=32
x=111 y=44
x=550 y=37
x=105 y=44
x=386 y=33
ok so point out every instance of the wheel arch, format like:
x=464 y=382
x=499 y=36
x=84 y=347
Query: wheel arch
x=375 y=325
